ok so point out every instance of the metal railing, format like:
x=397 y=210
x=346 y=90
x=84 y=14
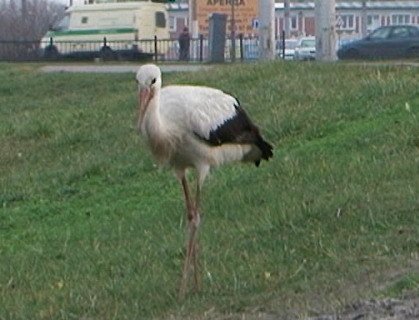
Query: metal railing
x=19 y=50
x=149 y=49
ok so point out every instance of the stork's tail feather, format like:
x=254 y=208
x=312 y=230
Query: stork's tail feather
x=265 y=148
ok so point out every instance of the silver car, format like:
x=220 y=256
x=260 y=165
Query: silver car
x=306 y=49
x=290 y=45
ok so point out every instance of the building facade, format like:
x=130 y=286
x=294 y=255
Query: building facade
x=348 y=17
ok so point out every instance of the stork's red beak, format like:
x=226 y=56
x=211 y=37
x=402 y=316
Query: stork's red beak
x=144 y=97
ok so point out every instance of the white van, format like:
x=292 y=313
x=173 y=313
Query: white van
x=107 y=29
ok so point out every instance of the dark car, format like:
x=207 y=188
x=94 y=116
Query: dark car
x=400 y=41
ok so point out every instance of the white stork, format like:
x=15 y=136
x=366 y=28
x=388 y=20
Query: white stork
x=194 y=127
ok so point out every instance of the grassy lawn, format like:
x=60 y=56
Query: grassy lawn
x=91 y=229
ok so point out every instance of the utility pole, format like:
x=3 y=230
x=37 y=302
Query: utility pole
x=325 y=23
x=24 y=19
x=233 y=33
x=193 y=19
x=364 y=19
x=267 y=29
x=287 y=19
x=24 y=10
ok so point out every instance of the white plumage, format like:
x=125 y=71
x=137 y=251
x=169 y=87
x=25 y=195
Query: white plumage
x=194 y=127
x=205 y=110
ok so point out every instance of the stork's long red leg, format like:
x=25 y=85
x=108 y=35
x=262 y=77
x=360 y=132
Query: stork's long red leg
x=197 y=219
x=191 y=246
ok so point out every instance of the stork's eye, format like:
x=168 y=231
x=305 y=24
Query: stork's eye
x=153 y=81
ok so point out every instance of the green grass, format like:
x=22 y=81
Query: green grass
x=408 y=283
x=90 y=228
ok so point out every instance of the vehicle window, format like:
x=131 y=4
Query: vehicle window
x=160 y=19
x=381 y=33
x=414 y=32
x=172 y=23
x=308 y=43
x=400 y=32
x=289 y=44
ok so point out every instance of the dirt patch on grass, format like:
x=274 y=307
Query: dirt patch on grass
x=388 y=309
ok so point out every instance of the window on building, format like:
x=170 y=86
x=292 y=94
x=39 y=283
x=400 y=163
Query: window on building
x=373 y=22
x=347 y=21
x=84 y=20
x=294 y=23
x=160 y=19
x=400 y=19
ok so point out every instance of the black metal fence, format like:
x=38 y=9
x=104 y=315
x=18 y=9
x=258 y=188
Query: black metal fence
x=19 y=50
x=151 y=49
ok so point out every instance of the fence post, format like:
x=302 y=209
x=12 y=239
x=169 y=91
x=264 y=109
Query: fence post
x=201 y=47
x=283 y=44
x=155 y=48
x=241 y=46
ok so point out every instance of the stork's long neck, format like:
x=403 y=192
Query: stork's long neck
x=154 y=130
x=149 y=120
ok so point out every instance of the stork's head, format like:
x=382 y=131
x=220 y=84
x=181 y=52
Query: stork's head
x=149 y=83
x=149 y=80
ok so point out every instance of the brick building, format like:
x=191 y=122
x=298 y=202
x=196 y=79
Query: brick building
x=348 y=16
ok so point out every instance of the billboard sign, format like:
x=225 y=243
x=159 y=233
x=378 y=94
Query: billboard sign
x=245 y=13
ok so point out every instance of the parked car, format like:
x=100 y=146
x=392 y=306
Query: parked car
x=306 y=49
x=389 y=42
x=290 y=45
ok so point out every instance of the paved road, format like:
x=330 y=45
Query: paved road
x=169 y=68
x=119 y=68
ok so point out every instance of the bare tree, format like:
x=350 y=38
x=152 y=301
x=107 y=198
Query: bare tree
x=23 y=23
x=28 y=20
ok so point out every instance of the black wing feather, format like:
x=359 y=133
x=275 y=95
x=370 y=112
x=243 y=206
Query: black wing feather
x=239 y=129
